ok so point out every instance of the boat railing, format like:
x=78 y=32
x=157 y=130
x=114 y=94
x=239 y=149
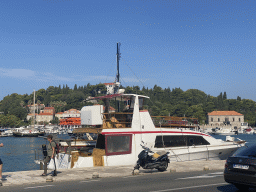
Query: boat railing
x=206 y=151
x=117 y=120
x=172 y=122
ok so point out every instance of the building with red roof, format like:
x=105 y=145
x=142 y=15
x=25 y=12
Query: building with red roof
x=30 y=115
x=49 y=110
x=70 y=118
x=59 y=115
x=222 y=118
x=44 y=117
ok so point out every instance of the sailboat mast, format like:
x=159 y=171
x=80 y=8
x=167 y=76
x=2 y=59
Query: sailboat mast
x=34 y=109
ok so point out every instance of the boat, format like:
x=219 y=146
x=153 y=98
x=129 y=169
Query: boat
x=6 y=132
x=120 y=134
x=249 y=130
x=28 y=133
x=50 y=130
x=224 y=131
x=31 y=131
x=245 y=129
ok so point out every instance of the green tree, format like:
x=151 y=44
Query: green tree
x=75 y=87
x=55 y=121
x=196 y=111
x=225 y=96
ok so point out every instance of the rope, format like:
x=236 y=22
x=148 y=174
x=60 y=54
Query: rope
x=133 y=72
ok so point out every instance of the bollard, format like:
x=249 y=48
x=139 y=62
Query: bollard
x=95 y=175
x=136 y=172
x=206 y=168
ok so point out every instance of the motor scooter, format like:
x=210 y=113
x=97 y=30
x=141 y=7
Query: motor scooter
x=150 y=160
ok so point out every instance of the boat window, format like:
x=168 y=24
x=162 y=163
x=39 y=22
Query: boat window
x=179 y=141
x=196 y=140
x=141 y=101
x=191 y=141
x=132 y=102
x=118 y=144
x=170 y=141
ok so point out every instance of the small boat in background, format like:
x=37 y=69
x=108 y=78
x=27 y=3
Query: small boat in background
x=28 y=133
x=6 y=133
x=224 y=131
x=249 y=130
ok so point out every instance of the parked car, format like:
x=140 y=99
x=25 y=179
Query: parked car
x=240 y=168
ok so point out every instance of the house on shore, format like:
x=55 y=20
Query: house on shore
x=225 y=118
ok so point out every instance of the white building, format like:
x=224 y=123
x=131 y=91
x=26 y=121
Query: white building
x=71 y=113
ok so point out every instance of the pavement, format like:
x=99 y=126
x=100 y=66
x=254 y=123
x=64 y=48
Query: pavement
x=34 y=176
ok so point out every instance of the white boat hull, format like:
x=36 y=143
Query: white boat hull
x=178 y=154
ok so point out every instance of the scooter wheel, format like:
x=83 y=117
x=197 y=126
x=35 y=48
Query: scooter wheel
x=137 y=167
x=163 y=167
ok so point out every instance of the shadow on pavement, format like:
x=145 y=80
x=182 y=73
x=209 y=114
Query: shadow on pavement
x=232 y=188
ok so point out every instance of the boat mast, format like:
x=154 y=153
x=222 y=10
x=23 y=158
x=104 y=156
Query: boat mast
x=118 y=55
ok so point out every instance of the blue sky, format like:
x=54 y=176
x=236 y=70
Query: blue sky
x=208 y=45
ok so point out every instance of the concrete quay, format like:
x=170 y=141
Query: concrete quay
x=34 y=176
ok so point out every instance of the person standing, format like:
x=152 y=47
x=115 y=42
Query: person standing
x=1 y=164
x=50 y=155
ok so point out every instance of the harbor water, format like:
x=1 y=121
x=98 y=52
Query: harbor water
x=18 y=153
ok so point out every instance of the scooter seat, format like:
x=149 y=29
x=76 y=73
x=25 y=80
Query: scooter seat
x=156 y=155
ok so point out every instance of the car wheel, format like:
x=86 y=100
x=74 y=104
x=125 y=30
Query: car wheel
x=163 y=167
x=242 y=187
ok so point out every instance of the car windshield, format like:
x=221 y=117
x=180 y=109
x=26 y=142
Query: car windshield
x=249 y=151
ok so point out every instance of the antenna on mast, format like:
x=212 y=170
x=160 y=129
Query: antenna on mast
x=113 y=88
x=118 y=56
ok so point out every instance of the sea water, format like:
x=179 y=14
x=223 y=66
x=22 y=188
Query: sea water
x=19 y=153
x=249 y=138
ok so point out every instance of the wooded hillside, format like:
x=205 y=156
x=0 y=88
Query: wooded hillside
x=173 y=102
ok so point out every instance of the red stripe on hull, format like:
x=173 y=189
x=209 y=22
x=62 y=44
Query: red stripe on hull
x=148 y=132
